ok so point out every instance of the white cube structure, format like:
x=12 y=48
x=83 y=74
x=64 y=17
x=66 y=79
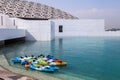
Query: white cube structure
x=36 y=30
x=81 y=27
x=6 y=22
x=46 y=30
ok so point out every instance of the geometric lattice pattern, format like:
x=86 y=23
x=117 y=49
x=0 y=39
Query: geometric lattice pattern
x=25 y=9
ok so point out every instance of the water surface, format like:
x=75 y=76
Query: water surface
x=89 y=58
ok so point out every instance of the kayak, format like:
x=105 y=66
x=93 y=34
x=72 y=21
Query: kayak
x=16 y=60
x=61 y=63
x=58 y=63
x=40 y=63
x=44 y=68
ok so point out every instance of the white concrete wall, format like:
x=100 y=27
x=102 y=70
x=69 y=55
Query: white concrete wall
x=0 y=21
x=84 y=27
x=46 y=30
x=52 y=30
x=6 y=34
x=3 y=19
x=6 y=22
x=35 y=29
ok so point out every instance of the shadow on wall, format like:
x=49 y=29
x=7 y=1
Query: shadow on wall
x=30 y=37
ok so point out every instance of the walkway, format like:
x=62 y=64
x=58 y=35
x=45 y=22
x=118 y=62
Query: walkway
x=7 y=75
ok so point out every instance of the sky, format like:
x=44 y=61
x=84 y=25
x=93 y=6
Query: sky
x=109 y=10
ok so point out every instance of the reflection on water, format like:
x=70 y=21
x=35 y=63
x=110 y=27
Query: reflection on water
x=87 y=57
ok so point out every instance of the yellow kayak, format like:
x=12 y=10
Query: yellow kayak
x=42 y=63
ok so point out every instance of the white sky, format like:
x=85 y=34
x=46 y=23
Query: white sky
x=89 y=9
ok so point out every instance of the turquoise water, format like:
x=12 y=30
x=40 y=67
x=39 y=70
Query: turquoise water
x=89 y=58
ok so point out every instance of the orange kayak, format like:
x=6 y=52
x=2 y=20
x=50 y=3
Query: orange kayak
x=60 y=63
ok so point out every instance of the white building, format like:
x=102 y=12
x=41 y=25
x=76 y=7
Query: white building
x=46 y=30
x=8 y=30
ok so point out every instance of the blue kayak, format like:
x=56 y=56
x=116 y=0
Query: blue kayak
x=50 y=57
x=16 y=60
x=23 y=62
x=44 y=68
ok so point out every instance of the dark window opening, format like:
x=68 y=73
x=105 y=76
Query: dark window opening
x=60 y=28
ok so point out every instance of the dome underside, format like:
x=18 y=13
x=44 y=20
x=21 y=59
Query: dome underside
x=21 y=8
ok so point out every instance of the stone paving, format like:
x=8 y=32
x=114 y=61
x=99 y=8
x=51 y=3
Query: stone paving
x=8 y=75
